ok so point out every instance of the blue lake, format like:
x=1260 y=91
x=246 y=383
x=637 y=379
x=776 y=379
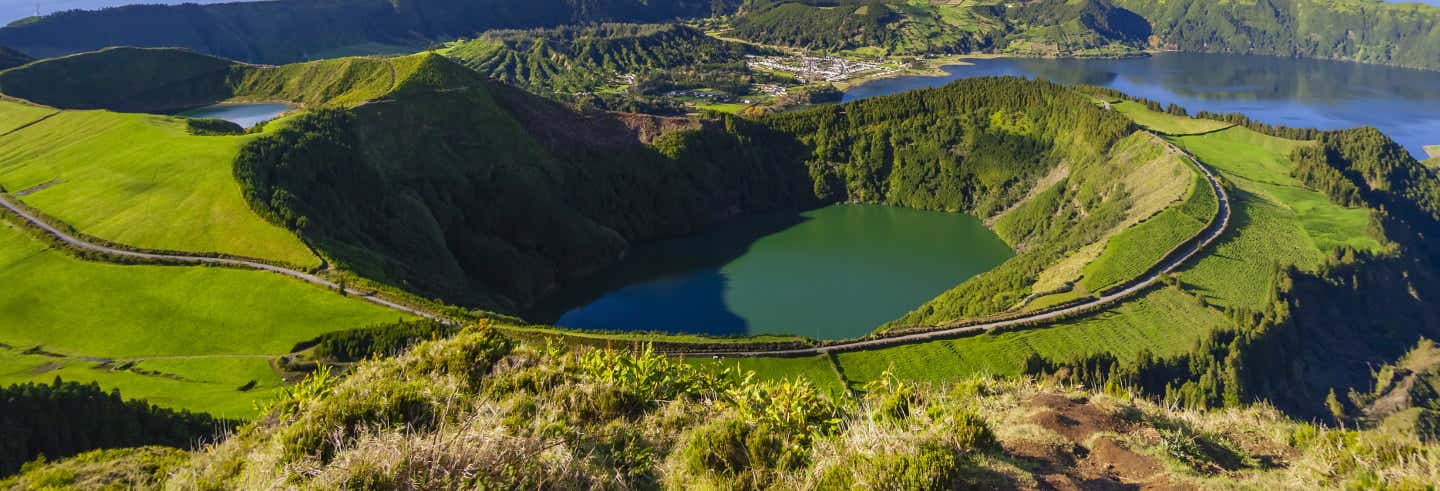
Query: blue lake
x=1403 y=103
x=835 y=272
x=245 y=115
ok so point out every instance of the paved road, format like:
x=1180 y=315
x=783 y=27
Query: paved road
x=8 y=204
x=1167 y=265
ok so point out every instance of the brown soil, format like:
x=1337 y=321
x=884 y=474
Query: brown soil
x=1092 y=460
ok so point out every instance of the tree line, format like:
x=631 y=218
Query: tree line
x=61 y=419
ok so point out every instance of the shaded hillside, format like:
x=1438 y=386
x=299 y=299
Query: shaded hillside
x=1366 y=31
x=283 y=31
x=168 y=80
x=458 y=187
x=10 y=58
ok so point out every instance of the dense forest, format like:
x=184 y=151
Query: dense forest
x=275 y=32
x=10 y=58
x=61 y=419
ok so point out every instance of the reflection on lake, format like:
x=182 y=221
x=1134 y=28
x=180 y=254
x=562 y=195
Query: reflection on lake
x=835 y=272
x=1403 y=103
x=245 y=115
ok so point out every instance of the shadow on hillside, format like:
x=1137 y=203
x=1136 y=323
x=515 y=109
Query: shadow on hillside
x=662 y=281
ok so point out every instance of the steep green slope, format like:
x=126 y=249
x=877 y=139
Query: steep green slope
x=1392 y=33
x=503 y=194
x=279 y=32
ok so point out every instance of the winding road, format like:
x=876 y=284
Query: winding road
x=7 y=203
x=1167 y=265
x=1171 y=262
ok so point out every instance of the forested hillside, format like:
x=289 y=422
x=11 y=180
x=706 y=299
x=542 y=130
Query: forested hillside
x=1047 y=27
x=1392 y=33
x=11 y=58
x=458 y=187
x=630 y=59
x=276 y=32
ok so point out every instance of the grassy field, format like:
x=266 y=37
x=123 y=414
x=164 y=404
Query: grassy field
x=81 y=309
x=1167 y=123
x=140 y=180
x=15 y=115
x=1260 y=165
x=208 y=385
x=816 y=369
x=1164 y=321
x=1137 y=249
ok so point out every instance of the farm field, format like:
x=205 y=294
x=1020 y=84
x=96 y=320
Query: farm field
x=1260 y=165
x=1134 y=251
x=140 y=180
x=1168 y=124
x=1164 y=321
x=85 y=310
x=208 y=385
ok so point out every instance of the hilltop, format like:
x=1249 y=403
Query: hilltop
x=477 y=410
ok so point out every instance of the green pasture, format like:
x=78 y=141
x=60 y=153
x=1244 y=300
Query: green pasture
x=1166 y=123
x=85 y=310
x=1260 y=165
x=140 y=180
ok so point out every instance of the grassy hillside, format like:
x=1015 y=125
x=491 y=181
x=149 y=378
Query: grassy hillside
x=282 y=32
x=139 y=180
x=466 y=412
x=221 y=325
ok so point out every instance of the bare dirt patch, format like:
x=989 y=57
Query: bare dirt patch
x=1093 y=458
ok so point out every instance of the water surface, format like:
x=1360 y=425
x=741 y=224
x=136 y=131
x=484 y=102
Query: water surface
x=1403 y=103
x=836 y=272
x=246 y=115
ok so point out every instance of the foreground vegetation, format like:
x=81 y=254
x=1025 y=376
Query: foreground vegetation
x=477 y=410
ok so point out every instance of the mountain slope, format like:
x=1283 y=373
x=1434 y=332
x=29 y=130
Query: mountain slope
x=276 y=32
x=10 y=58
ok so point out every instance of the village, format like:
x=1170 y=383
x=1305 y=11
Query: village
x=820 y=68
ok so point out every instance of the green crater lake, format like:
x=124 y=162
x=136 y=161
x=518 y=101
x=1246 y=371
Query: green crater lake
x=831 y=273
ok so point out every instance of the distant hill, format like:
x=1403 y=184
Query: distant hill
x=1045 y=27
x=276 y=32
x=1366 y=31
x=10 y=58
